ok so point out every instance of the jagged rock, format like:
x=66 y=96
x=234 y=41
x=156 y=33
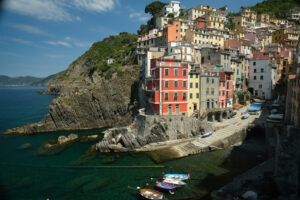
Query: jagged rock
x=145 y=130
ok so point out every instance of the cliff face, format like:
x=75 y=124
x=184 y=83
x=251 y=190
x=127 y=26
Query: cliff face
x=92 y=93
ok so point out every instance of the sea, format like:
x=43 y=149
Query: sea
x=75 y=172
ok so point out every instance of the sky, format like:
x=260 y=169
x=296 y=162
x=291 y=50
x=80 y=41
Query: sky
x=42 y=37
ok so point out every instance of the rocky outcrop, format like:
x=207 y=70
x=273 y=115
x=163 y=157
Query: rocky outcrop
x=148 y=130
x=91 y=103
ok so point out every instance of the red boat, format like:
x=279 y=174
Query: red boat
x=166 y=186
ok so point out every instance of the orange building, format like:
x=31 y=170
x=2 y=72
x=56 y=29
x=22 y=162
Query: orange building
x=172 y=32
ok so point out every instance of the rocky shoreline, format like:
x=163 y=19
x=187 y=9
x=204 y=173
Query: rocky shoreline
x=98 y=103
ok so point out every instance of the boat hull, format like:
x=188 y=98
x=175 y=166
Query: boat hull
x=151 y=194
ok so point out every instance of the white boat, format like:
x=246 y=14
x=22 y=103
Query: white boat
x=177 y=176
x=276 y=117
x=174 y=181
x=245 y=116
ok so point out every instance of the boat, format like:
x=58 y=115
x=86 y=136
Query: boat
x=275 y=118
x=176 y=182
x=207 y=134
x=245 y=116
x=237 y=106
x=177 y=176
x=166 y=186
x=151 y=194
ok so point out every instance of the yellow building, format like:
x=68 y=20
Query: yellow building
x=194 y=96
x=214 y=20
x=288 y=37
x=263 y=18
x=199 y=11
x=247 y=19
x=205 y=36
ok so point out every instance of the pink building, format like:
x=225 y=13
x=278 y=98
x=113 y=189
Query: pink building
x=226 y=89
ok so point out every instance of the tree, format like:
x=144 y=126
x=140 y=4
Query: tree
x=154 y=7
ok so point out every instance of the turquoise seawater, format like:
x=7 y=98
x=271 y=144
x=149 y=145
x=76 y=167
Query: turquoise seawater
x=75 y=173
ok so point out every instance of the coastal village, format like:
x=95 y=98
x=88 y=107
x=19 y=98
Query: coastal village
x=207 y=77
x=156 y=108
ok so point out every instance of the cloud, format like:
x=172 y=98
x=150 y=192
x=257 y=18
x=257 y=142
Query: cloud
x=58 y=43
x=40 y=9
x=95 y=5
x=29 y=29
x=77 y=43
x=8 y=53
x=54 y=55
x=139 y=16
x=58 y=10
x=26 y=42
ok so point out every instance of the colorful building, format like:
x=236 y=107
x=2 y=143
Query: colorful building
x=225 y=88
x=172 y=32
x=168 y=87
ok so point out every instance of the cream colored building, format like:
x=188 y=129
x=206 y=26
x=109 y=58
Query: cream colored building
x=205 y=36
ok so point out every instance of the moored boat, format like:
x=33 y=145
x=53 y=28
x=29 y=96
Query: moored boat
x=166 y=186
x=207 y=134
x=177 y=176
x=245 y=116
x=176 y=182
x=151 y=194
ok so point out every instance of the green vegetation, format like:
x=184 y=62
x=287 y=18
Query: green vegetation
x=276 y=8
x=154 y=9
x=119 y=48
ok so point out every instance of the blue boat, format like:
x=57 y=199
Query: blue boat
x=207 y=134
x=177 y=176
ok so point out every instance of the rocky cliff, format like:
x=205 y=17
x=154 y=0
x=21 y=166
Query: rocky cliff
x=94 y=94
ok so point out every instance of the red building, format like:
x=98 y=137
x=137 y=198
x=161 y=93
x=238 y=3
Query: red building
x=168 y=86
x=226 y=89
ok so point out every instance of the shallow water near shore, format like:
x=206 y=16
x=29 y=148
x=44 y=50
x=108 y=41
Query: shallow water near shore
x=75 y=173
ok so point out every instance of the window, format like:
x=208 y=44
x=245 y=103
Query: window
x=191 y=75
x=184 y=84
x=212 y=91
x=166 y=96
x=212 y=80
x=260 y=86
x=254 y=70
x=207 y=104
x=254 y=63
x=175 y=95
x=197 y=95
x=207 y=80
x=191 y=85
x=262 y=70
x=223 y=93
x=196 y=75
x=184 y=95
x=176 y=72
x=238 y=72
x=184 y=72
x=191 y=95
x=261 y=77
x=207 y=91
x=254 y=77
x=208 y=57
x=167 y=72
x=212 y=104
x=166 y=84
x=227 y=85
x=175 y=83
